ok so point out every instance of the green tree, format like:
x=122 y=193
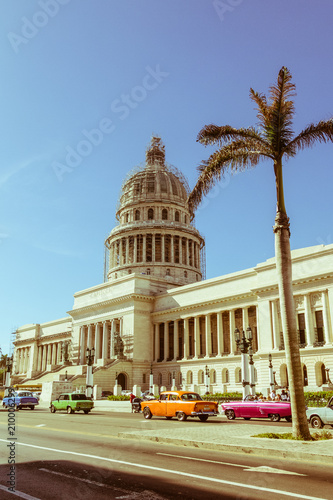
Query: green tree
x=239 y=149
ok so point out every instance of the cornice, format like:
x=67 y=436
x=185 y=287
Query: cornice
x=110 y=302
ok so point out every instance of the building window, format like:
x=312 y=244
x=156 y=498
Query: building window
x=164 y=214
x=148 y=271
x=177 y=216
x=137 y=214
x=225 y=376
x=185 y=274
x=319 y=330
x=150 y=214
x=168 y=272
x=201 y=379
x=130 y=271
x=126 y=217
x=305 y=376
x=143 y=378
x=160 y=379
x=238 y=376
x=213 y=377
x=189 y=377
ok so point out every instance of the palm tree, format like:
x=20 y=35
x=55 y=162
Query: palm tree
x=243 y=148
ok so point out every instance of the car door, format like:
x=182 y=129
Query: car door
x=62 y=402
x=160 y=408
x=171 y=405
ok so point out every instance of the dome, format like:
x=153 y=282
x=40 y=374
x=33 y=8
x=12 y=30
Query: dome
x=155 y=180
x=156 y=234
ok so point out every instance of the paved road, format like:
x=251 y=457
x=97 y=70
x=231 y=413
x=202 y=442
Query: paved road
x=79 y=456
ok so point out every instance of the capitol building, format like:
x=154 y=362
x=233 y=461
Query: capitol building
x=156 y=313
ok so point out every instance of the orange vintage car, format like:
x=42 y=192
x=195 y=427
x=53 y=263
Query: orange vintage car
x=180 y=404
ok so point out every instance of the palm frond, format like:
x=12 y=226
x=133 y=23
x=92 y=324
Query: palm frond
x=235 y=157
x=262 y=107
x=320 y=132
x=211 y=134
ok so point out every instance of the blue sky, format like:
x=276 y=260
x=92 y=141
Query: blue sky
x=131 y=69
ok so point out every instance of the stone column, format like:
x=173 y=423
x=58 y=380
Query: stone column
x=113 y=327
x=232 y=331
x=308 y=321
x=220 y=341
x=175 y=340
x=59 y=356
x=172 y=260
x=53 y=354
x=208 y=333
x=120 y=251
x=82 y=345
x=40 y=358
x=135 y=251
x=153 y=247
x=48 y=354
x=327 y=336
x=97 y=342
x=89 y=337
x=44 y=347
x=196 y=337
x=26 y=359
x=275 y=324
x=105 y=341
x=163 y=248
x=157 y=341
x=144 y=245
x=186 y=339
x=127 y=251
x=180 y=250
x=187 y=252
x=166 y=340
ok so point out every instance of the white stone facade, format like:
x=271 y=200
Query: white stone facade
x=170 y=322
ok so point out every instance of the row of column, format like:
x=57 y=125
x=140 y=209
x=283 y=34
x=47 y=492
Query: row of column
x=47 y=354
x=151 y=248
x=101 y=336
x=225 y=340
x=22 y=359
x=310 y=324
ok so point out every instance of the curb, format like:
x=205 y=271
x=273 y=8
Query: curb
x=230 y=448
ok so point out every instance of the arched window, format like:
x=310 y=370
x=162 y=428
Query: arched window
x=180 y=378
x=189 y=377
x=168 y=272
x=148 y=271
x=213 y=377
x=320 y=373
x=177 y=216
x=323 y=373
x=169 y=378
x=160 y=379
x=127 y=217
x=284 y=375
x=225 y=376
x=201 y=377
x=164 y=214
x=186 y=219
x=137 y=214
x=238 y=375
x=150 y=214
x=305 y=376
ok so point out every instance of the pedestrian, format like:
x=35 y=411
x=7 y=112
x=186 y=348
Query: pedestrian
x=273 y=394
x=284 y=396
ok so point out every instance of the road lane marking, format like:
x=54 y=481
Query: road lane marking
x=78 y=478
x=261 y=468
x=18 y=493
x=170 y=471
x=40 y=425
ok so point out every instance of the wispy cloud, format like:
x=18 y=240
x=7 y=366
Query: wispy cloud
x=15 y=169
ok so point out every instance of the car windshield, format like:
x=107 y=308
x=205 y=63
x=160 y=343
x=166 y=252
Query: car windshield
x=24 y=393
x=79 y=397
x=191 y=396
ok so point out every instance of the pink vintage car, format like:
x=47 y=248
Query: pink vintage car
x=257 y=409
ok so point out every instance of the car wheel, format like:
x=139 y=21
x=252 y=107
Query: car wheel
x=275 y=417
x=86 y=411
x=316 y=423
x=52 y=409
x=247 y=418
x=181 y=416
x=168 y=418
x=4 y=405
x=69 y=409
x=32 y=407
x=203 y=418
x=288 y=419
x=147 y=413
x=230 y=414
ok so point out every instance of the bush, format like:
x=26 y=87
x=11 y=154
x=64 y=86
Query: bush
x=118 y=398
x=317 y=398
x=226 y=396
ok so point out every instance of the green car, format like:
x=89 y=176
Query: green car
x=72 y=403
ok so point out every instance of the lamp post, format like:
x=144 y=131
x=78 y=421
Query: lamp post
x=251 y=369
x=244 y=344
x=271 y=373
x=151 y=379
x=90 y=354
x=9 y=364
x=207 y=379
x=328 y=380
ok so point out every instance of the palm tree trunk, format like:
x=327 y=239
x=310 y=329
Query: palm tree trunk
x=289 y=328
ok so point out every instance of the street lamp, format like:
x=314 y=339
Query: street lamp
x=243 y=344
x=328 y=380
x=271 y=373
x=151 y=379
x=251 y=367
x=9 y=364
x=90 y=354
x=207 y=379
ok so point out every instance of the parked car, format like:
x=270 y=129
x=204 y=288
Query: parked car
x=20 y=399
x=71 y=403
x=105 y=394
x=318 y=417
x=180 y=404
x=274 y=410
